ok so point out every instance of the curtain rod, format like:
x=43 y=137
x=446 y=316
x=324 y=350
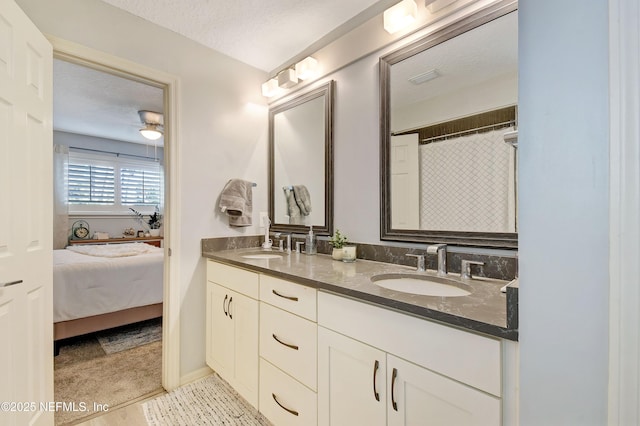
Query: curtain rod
x=469 y=131
x=117 y=154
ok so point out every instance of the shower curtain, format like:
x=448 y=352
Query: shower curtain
x=60 y=196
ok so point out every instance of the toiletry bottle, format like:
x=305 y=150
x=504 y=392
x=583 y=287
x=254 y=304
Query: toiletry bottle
x=311 y=244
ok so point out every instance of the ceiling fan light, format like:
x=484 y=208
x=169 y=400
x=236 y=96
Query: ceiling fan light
x=151 y=132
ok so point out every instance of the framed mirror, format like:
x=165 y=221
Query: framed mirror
x=301 y=163
x=448 y=103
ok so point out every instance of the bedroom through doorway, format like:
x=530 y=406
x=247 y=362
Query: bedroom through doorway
x=110 y=192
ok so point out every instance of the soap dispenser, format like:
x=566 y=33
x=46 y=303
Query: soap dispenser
x=311 y=243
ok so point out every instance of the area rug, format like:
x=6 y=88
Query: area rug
x=209 y=401
x=130 y=336
x=85 y=373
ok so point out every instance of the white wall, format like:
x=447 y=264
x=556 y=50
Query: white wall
x=563 y=183
x=222 y=134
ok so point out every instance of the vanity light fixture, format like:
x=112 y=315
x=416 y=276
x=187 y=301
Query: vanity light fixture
x=399 y=16
x=270 y=88
x=307 y=68
x=425 y=76
x=304 y=70
x=153 y=124
x=287 y=78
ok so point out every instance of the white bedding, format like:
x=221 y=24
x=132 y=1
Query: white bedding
x=86 y=285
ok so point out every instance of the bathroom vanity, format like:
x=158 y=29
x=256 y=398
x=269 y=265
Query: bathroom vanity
x=309 y=340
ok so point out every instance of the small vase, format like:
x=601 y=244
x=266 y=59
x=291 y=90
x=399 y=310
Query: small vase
x=337 y=254
x=154 y=232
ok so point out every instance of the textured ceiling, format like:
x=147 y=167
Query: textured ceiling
x=264 y=34
x=95 y=103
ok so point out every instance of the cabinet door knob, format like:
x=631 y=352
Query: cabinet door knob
x=295 y=299
x=229 y=307
x=224 y=305
x=295 y=413
x=394 y=376
x=10 y=283
x=376 y=394
x=283 y=343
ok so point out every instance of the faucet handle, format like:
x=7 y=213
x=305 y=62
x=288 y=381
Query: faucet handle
x=421 y=261
x=435 y=248
x=465 y=269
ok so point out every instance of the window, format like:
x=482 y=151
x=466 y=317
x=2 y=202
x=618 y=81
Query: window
x=110 y=184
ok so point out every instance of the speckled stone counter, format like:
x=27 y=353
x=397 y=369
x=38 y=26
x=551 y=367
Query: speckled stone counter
x=484 y=310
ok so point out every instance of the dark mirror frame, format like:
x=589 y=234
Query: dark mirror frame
x=326 y=91
x=476 y=239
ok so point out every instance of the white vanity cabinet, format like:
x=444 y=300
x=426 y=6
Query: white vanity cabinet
x=232 y=317
x=288 y=352
x=378 y=367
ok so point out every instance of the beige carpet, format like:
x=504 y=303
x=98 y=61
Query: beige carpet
x=84 y=373
x=207 y=402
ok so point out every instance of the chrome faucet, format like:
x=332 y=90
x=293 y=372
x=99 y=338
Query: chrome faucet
x=441 y=251
x=465 y=268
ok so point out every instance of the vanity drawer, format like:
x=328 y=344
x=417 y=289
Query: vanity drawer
x=282 y=397
x=292 y=297
x=290 y=343
x=240 y=280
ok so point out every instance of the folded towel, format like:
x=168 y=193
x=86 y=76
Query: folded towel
x=236 y=202
x=303 y=199
x=292 y=208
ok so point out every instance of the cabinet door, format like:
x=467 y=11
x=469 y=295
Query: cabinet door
x=351 y=382
x=220 y=332
x=418 y=396
x=243 y=312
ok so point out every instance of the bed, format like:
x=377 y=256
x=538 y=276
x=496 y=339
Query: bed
x=98 y=287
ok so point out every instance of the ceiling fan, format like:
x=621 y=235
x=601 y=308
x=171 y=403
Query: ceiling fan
x=153 y=124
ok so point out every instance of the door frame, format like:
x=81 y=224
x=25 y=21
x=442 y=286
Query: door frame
x=82 y=55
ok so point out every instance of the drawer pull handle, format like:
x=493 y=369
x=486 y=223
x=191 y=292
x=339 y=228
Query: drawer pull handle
x=224 y=305
x=295 y=299
x=376 y=366
x=10 y=283
x=285 y=344
x=295 y=413
x=394 y=376
x=229 y=307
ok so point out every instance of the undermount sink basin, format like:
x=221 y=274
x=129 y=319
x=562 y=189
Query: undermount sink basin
x=262 y=256
x=424 y=285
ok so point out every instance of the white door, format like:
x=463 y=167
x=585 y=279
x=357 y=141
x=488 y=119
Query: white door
x=351 y=382
x=405 y=185
x=419 y=397
x=26 y=307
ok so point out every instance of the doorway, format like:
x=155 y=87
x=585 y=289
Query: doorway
x=96 y=60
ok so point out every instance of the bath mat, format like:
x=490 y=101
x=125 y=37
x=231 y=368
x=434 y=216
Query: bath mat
x=131 y=336
x=209 y=401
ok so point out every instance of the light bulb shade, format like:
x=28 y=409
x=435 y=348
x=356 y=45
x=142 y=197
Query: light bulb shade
x=270 y=88
x=151 y=132
x=307 y=68
x=287 y=78
x=399 y=16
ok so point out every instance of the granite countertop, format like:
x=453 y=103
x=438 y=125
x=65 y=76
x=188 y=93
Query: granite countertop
x=484 y=310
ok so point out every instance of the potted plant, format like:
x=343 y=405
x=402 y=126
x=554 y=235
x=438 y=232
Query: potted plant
x=337 y=241
x=153 y=223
